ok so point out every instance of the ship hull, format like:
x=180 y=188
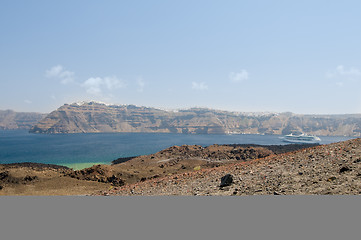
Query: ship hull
x=301 y=139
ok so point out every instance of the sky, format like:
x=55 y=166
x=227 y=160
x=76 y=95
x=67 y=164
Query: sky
x=246 y=56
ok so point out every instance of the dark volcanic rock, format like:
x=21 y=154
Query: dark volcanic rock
x=344 y=169
x=30 y=178
x=40 y=166
x=357 y=160
x=98 y=173
x=122 y=159
x=4 y=175
x=115 y=181
x=7 y=177
x=277 y=149
x=226 y=180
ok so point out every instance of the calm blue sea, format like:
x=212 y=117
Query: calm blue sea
x=85 y=149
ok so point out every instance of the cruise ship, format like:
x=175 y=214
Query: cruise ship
x=302 y=138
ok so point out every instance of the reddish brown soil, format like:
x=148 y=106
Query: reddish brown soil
x=326 y=169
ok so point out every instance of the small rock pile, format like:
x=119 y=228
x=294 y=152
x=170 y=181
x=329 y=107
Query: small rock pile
x=98 y=173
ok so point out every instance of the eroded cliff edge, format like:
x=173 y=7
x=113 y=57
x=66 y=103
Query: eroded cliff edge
x=95 y=117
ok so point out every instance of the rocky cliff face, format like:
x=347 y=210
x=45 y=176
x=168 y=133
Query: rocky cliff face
x=18 y=120
x=97 y=117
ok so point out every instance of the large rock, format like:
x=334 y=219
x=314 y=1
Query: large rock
x=98 y=173
x=226 y=180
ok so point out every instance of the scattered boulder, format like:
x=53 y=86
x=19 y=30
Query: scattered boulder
x=115 y=181
x=30 y=178
x=344 y=169
x=331 y=179
x=4 y=175
x=98 y=173
x=357 y=160
x=226 y=180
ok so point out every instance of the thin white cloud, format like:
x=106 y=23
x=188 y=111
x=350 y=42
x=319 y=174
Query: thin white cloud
x=58 y=72
x=54 y=71
x=113 y=82
x=140 y=84
x=97 y=85
x=27 y=101
x=340 y=84
x=344 y=75
x=238 y=76
x=199 y=86
x=93 y=86
x=341 y=71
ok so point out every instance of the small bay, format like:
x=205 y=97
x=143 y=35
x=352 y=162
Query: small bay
x=86 y=149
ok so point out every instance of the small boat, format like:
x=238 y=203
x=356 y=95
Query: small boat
x=302 y=138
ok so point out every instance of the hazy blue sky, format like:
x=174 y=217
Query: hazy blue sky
x=299 y=56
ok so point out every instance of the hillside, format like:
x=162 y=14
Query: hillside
x=47 y=179
x=322 y=170
x=196 y=170
x=98 y=117
x=18 y=120
x=173 y=160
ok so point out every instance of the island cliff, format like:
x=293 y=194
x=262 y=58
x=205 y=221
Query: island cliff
x=10 y=120
x=97 y=117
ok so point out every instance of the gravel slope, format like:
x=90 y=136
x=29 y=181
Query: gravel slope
x=325 y=169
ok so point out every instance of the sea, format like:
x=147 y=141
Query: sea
x=83 y=150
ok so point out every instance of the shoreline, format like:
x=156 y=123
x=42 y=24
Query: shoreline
x=277 y=149
x=80 y=166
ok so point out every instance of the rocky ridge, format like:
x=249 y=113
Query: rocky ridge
x=43 y=179
x=169 y=161
x=18 y=120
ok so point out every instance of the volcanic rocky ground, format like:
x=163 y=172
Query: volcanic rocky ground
x=326 y=169
x=43 y=179
x=46 y=179
x=196 y=170
x=177 y=159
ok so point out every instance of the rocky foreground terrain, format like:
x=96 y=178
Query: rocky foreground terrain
x=197 y=170
x=325 y=169
x=97 y=117
x=177 y=159
x=44 y=179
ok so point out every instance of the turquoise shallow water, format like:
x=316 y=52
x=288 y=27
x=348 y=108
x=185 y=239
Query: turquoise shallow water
x=78 y=166
x=86 y=149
